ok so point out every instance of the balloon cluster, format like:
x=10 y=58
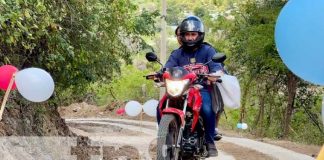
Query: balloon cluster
x=134 y=108
x=34 y=84
x=243 y=126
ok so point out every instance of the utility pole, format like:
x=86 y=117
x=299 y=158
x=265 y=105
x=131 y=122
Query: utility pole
x=163 y=39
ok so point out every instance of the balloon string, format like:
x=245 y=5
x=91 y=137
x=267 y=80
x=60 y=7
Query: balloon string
x=141 y=120
x=7 y=95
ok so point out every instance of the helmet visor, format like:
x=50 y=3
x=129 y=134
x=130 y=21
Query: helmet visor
x=191 y=26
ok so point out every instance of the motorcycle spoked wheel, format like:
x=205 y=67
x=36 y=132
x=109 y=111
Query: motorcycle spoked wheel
x=167 y=138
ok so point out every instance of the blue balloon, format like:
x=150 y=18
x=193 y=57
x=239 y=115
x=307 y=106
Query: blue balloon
x=239 y=125
x=299 y=36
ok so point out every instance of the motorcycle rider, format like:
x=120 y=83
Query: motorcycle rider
x=193 y=52
x=217 y=136
x=177 y=34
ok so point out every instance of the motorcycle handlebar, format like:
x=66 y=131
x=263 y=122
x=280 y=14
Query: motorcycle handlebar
x=150 y=76
x=158 y=77
x=208 y=76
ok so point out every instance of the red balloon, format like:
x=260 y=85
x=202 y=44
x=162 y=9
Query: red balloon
x=6 y=73
x=120 y=111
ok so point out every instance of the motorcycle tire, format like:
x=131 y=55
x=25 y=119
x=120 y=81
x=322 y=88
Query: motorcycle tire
x=167 y=138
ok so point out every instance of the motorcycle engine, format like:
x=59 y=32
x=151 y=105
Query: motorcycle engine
x=191 y=141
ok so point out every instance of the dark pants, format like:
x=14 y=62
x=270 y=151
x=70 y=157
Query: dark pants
x=208 y=115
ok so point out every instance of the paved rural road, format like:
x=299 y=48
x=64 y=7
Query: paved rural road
x=145 y=133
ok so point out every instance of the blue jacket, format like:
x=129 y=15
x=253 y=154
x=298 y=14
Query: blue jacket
x=202 y=55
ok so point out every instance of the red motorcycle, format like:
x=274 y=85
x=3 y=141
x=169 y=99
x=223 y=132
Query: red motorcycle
x=181 y=133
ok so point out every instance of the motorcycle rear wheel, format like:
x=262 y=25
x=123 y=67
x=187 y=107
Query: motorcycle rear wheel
x=167 y=138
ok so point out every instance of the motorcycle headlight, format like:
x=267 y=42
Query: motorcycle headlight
x=175 y=88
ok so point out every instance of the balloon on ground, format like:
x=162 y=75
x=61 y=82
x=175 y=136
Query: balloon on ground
x=35 y=84
x=149 y=107
x=6 y=73
x=244 y=126
x=120 y=111
x=133 y=108
x=239 y=125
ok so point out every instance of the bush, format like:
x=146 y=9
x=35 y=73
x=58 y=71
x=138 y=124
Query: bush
x=129 y=85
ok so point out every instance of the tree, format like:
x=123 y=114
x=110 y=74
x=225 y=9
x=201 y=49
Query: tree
x=78 y=42
x=246 y=31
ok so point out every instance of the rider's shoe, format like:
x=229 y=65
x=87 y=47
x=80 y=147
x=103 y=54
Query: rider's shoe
x=212 y=151
x=218 y=137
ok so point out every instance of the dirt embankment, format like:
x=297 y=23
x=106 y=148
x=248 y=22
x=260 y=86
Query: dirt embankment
x=23 y=118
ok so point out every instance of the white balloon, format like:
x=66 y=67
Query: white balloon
x=133 y=108
x=34 y=84
x=244 y=126
x=149 y=107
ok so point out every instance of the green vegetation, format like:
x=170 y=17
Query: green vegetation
x=130 y=85
x=275 y=103
x=94 y=47
x=78 y=42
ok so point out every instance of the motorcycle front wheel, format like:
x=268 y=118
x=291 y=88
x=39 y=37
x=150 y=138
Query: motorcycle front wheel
x=167 y=138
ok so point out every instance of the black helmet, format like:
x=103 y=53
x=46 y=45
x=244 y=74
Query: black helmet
x=192 y=24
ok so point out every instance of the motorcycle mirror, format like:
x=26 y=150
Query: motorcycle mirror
x=151 y=57
x=219 y=58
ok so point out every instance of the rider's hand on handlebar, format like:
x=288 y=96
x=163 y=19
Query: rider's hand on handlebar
x=217 y=74
x=154 y=76
x=156 y=79
x=150 y=76
x=213 y=77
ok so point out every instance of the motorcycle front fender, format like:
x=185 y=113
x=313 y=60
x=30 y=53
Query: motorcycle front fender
x=195 y=101
x=178 y=113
